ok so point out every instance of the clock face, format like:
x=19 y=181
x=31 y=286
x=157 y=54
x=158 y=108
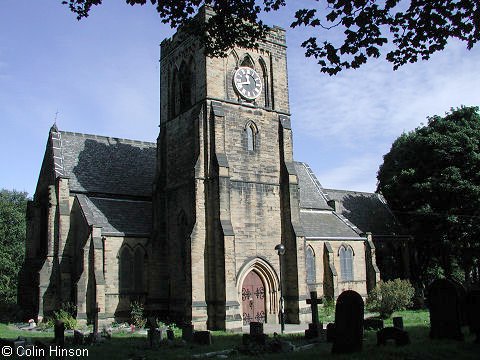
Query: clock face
x=247 y=82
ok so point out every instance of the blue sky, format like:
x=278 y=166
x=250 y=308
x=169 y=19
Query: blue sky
x=102 y=76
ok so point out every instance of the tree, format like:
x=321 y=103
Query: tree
x=431 y=180
x=415 y=28
x=13 y=206
x=390 y=296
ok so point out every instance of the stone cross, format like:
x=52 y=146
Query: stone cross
x=314 y=302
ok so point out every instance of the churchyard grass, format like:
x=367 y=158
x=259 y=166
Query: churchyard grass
x=131 y=346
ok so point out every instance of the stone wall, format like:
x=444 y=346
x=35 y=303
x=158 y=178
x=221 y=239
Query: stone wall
x=117 y=303
x=324 y=279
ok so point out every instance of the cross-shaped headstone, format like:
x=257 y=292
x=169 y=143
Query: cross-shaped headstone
x=314 y=302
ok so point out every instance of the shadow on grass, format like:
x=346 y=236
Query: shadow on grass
x=422 y=347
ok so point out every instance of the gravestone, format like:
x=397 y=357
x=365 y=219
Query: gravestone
x=349 y=313
x=444 y=304
x=462 y=296
x=153 y=333
x=151 y=323
x=256 y=334
x=78 y=337
x=59 y=333
x=398 y=322
x=202 y=337
x=95 y=321
x=154 y=337
x=315 y=328
x=473 y=313
x=400 y=336
x=373 y=323
x=330 y=332
x=187 y=332
x=256 y=328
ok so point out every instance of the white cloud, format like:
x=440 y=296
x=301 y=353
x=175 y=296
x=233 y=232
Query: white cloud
x=362 y=111
x=352 y=174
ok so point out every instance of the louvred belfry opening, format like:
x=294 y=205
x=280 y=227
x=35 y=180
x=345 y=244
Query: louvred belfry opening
x=253 y=299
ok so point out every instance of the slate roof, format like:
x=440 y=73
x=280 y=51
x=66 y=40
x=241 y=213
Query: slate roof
x=111 y=172
x=317 y=218
x=311 y=191
x=368 y=211
x=117 y=217
x=104 y=165
x=326 y=225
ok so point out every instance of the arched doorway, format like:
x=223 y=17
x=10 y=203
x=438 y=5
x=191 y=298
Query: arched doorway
x=253 y=298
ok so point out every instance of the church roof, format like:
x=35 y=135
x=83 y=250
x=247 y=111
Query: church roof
x=105 y=165
x=311 y=191
x=325 y=224
x=317 y=218
x=117 y=217
x=116 y=176
x=368 y=211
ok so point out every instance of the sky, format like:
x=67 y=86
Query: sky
x=100 y=76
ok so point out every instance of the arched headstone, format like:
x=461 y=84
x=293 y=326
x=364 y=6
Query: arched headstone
x=349 y=313
x=444 y=304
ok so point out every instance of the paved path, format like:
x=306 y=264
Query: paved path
x=271 y=328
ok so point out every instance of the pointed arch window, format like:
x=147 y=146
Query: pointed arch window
x=186 y=86
x=310 y=265
x=176 y=91
x=247 y=61
x=139 y=269
x=182 y=93
x=126 y=269
x=266 y=84
x=346 y=262
x=251 y=135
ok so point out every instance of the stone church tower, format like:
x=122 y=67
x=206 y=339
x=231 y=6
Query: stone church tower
x=226 y=191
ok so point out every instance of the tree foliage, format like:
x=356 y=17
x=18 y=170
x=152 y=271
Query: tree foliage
x=431 y=180
x=415 y=29
x=13 y=206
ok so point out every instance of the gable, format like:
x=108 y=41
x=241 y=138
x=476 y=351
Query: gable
x=317 y=218
x=311 y=191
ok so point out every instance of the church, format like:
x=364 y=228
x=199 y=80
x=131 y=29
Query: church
x=189 y=225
